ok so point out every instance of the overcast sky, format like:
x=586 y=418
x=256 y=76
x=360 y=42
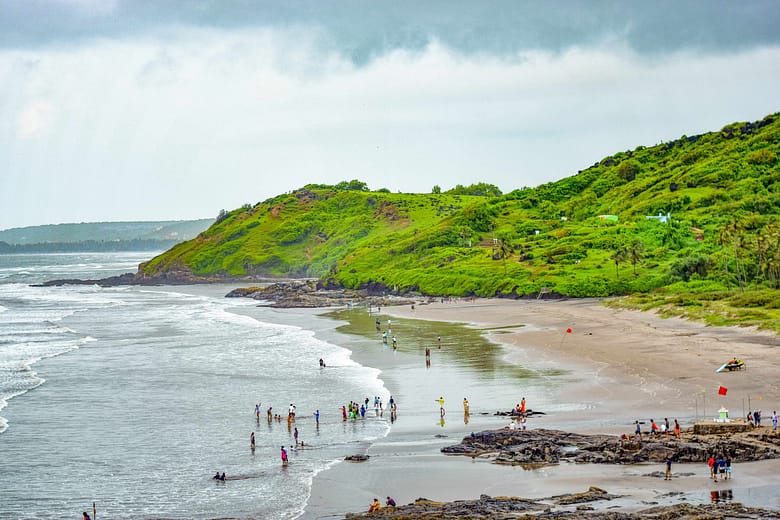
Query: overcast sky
x=157 y=110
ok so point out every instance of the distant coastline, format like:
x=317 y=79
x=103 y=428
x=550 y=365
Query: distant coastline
x=89 y=246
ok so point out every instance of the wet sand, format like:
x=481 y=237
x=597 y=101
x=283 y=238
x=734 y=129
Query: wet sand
x=618 y=366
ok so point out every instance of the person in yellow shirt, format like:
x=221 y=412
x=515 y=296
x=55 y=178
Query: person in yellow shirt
x=375 y=506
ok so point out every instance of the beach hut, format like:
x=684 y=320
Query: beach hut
x=723 y=414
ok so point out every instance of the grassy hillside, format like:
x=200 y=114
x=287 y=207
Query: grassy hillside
x=585 y=235
x=306 y=233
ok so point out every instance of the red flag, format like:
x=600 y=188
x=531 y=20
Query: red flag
x=568 y=330
x=722 y=390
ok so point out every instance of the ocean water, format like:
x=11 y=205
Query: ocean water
x=132 y=398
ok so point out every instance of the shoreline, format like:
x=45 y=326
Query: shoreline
x=620 y=366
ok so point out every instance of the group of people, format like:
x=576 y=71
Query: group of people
x=754 y=418
x=356 y=410
x=376 y=505
x=664 y=429
x=520 y=408
x=217 y=476
x=720 y=466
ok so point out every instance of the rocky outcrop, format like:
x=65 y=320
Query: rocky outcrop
x=552 y=446
x=560 y=507
x=309 y=293
x=357 y=458
x=135 y=279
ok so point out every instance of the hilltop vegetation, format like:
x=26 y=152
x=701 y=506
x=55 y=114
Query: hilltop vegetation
x=718 y=195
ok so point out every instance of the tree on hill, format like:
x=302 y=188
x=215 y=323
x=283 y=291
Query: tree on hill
x=620 y=254
x=504 y=249
x=481 y=189
x=635 y=251
x=731 y=235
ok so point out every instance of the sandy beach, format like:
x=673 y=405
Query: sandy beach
x=614 y=367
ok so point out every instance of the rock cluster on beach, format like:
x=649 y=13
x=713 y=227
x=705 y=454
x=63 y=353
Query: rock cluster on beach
x=560 y=507
x=309 y=294
x=552 y=446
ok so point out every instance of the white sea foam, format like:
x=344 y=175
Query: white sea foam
x=184 y=372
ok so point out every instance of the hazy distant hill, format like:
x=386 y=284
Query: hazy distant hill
x=101 y=236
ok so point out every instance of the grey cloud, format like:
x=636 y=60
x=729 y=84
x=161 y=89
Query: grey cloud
x=362 y=31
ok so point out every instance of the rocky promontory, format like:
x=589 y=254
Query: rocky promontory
x=310 y=293
x=543 y=446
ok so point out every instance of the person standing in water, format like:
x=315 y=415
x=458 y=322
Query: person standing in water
x=295 y=435
x=440 y=400
x=465 y=406
x=252 y=441
x=284 y=456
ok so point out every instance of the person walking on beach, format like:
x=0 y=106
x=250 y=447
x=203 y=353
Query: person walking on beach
x=774 y=420
x=638 y=431
x=284 y=456
x=668 y=475
x=713 y=468
x=665 y=427
x=653 y=428
x=676 y=429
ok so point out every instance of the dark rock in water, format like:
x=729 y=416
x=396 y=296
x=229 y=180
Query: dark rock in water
x=551 y=446
x=513 y=413
x=357 y=458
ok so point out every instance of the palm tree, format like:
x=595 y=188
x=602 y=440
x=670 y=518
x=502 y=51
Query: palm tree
x=723 y=239
x=504 y=249
x=635 y=252
x=619 y=255
x=734 y=231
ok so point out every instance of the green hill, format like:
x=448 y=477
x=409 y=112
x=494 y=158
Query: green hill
x=585 y=235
